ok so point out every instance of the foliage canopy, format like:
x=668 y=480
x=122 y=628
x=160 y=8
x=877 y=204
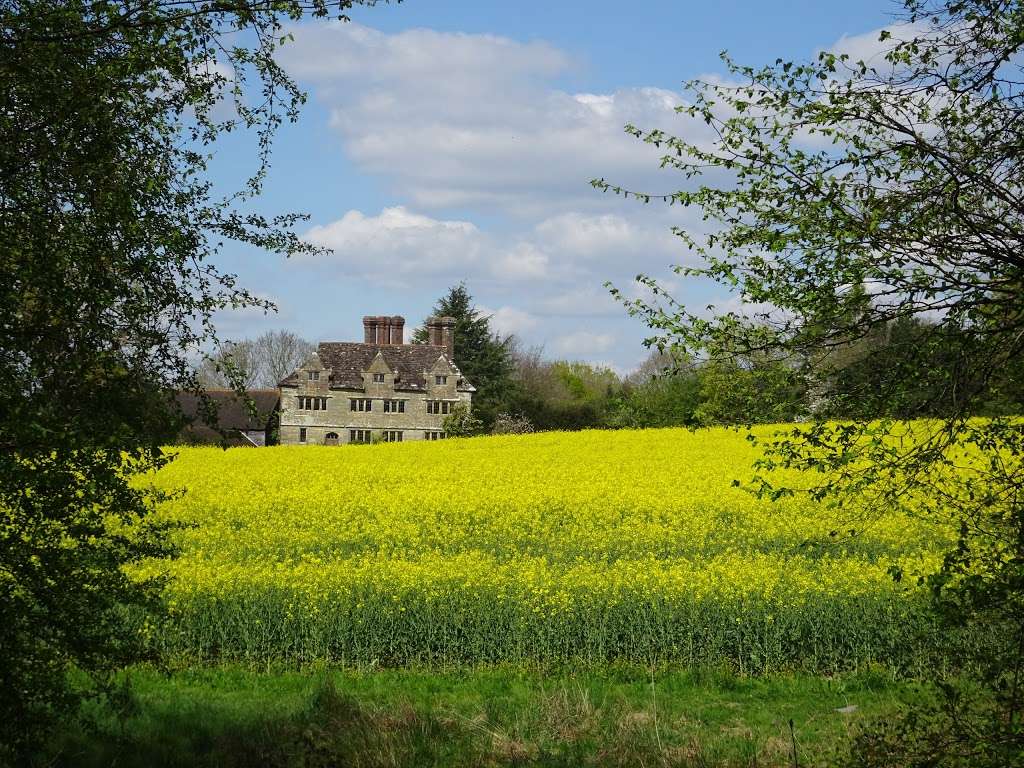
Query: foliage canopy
x=856 y=198
x=109 y=112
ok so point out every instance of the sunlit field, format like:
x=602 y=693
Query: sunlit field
x=628 y=546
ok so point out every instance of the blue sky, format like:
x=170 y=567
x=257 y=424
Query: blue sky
x=446 y=141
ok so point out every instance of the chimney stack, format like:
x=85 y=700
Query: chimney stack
x=441 y=333
x=383 y=330
x=397 y=330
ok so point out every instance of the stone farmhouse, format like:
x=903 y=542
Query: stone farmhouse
x=382 y=388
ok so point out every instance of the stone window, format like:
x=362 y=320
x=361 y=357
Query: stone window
x=359 y=436
x=360 y=404
x=392 y=436
x=378 y=378
x=440 y=379
x=312 y=403
x=394 y=406
x=314 y=375
x=302 y=434
x=439 y=406
x=433 y=435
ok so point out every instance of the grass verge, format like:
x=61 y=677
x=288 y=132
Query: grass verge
x=620 y=716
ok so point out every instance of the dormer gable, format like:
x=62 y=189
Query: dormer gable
x=442 y=366
x=442 y=377
x=378 y=375
x=312 y=363
x=313 y=374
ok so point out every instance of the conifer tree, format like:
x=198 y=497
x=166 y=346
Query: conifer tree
x=483 y=356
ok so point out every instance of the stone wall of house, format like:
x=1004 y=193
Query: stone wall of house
x=339 y=418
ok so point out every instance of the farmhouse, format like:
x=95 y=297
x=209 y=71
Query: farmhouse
x=382 y=388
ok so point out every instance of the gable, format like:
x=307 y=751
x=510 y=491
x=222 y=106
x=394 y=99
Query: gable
x=442 y=366
x=379 y=365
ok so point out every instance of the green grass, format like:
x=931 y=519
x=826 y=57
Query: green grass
x=613 y=716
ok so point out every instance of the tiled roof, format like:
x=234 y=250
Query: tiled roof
x=347 y=361
x=232 y=413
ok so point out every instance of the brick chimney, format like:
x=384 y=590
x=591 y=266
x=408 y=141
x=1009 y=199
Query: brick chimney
x=441 y=333
x=397 y=330
x=383 y=330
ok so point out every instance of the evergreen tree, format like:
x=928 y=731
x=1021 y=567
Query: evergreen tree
x=484 y=357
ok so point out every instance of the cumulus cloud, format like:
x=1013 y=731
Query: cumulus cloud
x=523 y=261
x=472 y=120
x=459 y=124
x=571 y=254
x=398 y=243
x=579 y=233
x=583 y=343
x=505 y=320
x=641 y=239
x=579 y=301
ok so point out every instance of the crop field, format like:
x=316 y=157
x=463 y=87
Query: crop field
x=627 y=546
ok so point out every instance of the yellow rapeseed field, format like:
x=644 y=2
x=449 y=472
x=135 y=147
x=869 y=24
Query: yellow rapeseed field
x=589 y=546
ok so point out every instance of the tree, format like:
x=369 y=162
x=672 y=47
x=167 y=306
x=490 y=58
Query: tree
x=735 y=391
x=233 y=361
x=557 y=394
x=663 y=391
x=483 y=356
x=279 y=353
x=850 y=197
x=461 y=422
x=108 y=113
x=260 y=363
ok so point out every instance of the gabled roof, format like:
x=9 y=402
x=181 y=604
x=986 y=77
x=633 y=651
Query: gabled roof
x=232 y=413
x=347 y=361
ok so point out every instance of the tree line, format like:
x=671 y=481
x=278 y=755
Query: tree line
x=898 y=369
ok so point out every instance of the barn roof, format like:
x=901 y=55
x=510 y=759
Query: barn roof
x=232 y=413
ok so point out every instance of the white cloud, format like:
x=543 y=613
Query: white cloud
x=398 y=243
x=460 y=124
x=585 y=301
x=523 y=261
x=506 y=320
x=642 y=239
x=582 y=343
x=452 y=62
x=398 y=246
x=456 y=119
x=578 y=233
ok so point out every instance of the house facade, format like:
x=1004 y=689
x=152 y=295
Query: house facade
x=380 y=389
